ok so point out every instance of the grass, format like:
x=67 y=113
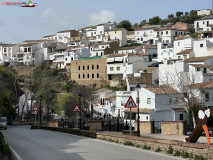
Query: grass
x=170 y=150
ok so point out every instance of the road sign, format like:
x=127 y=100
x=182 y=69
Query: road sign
x=130 y=103
x=35 y=110
x=77 y=108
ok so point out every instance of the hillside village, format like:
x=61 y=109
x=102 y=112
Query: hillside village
x=169 y=70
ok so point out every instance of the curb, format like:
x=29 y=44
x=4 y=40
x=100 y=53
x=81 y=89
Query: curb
x=15 y=154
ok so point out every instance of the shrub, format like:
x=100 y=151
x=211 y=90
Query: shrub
x=184 y=154
x=138 y=146
x=170 y=150
x=128 y=143
x=145 y=147
x=177 y=153
x=158 y=149
x=148 y=147
x=196 y=157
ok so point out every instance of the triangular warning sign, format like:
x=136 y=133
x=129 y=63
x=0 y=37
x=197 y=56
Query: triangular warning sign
x=77 y=108
x=130 y=103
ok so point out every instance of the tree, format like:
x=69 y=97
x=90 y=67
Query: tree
x=178 y=14
x=143 y=23
x=155 y=20
x=125 y=24
x=9 y=92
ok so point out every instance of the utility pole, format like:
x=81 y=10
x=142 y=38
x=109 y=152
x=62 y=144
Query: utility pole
x=40 y=110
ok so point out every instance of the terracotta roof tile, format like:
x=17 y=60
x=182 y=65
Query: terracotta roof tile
x=198 y=59
x=199 y=66
x=186 y=51
x=208 y=84
x=162 y=90
x=150 y=69
x=136 y=80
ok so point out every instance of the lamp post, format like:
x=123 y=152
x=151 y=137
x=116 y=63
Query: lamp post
x=40 y=110
x=138 y=101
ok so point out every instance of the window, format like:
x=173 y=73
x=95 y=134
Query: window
x=79 y=76
x=201 y=45
x=197 y=24
x=181 y=117
x=97 y=75
x=100 y=31
x=148 y=100
x=79 y=68
x=25 y=49
x=185 y=56
x=198 y=69
x=83 y=76
x=83 y=68
x=29 y=49
x=176 y=32
x=167 y=32
x=111 y=68
x=207 y=97
x=207 y=24
x=178 y=43
x=161 y=33
x=178 y=57
x=102 y=46
x=87 y=75
x=203 y=22
x=147 y=118
x=97 y=54
x=92 y=67
x=118 y=68
x=185 y=95
x=170 y=100
x=145 y=59
x=65 y=59
x=88 y=67
x=92 y=75
x=97 y=66
x=5 y=49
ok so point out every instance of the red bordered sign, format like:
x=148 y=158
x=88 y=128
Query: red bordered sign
x=35 y=110
x=77 y=109
x=130 y=103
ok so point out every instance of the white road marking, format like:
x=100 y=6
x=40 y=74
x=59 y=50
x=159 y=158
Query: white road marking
x=16 y=154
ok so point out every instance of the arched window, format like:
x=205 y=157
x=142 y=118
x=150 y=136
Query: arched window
x=92 y=67
x=92 y=75
x=97 y=75
x=88 y=67
x=83 y=76
x=79 y=68
x=79 y=76
x=87 y=75
x=83 y=68
x=97 y=66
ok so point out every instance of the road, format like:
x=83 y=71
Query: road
x=49 y=145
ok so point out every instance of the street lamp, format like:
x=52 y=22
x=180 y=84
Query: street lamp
x=138 y=101
x=40 y=110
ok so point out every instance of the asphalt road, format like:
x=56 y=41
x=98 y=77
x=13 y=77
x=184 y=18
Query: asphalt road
x=49 y=145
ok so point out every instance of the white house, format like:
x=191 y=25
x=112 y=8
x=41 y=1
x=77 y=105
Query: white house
x=117 y=34
x=129 y=50
x=8 y=53
x=203 y=93
x=160 y=104
x=144 y=35
x=203 y=12
x=203 y=47
x=167 y=35
x=121 y=65
x=65 y=36
x=50 y=37
x=203 y=24
x=59 y=55
x=165 y=52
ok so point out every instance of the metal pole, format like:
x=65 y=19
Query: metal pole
x=40 y=111
x=35 y=119
x=80 y=112
x=138 y=124
x=91 y=112
x=130 y=122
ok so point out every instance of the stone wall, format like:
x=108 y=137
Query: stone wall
x=172 y=128
x=95 y=126
x=145 y=127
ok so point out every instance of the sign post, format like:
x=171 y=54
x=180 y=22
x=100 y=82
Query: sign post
x=77 y=109
x=130 y=104
x=35 y=111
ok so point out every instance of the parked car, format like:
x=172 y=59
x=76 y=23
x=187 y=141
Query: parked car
x=3 y=122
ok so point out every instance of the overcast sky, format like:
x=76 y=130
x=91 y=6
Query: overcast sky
x=50 y=16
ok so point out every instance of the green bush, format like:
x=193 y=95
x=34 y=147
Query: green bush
x=148 y=147
x=128 y=143
x=145 y=146
x=170 y=150
x=196 y=157
x=184 y=154
x=158 y=149
x=177 y=153
x=138 y=146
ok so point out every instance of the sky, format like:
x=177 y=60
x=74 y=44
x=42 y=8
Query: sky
x=51 y=16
